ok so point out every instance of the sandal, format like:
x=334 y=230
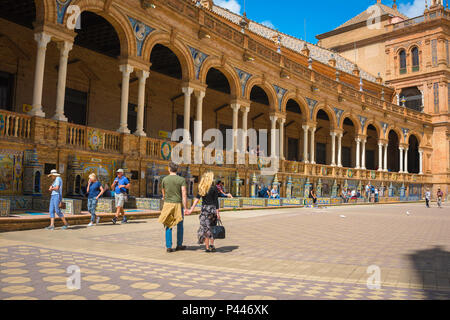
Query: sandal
x=208 y=250
x=212 y=248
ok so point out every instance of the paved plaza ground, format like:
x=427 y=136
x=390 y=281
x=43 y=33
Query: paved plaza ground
x=268 y=254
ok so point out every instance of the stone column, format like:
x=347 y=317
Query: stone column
x=385 y=157
x=273 y=135
x=198 y=132
x=333 y=148
x=245 y=111
x=235 y=107
x=401 y=159
x=142 y=75
x=187 y=113
x=126 y=70
x=380 y=156
x=305 y=143
x=358 y=152
x=339 y=155
x=363 y=155
x=282 y=122
x=64 y=48
x=405 y=169
x=420 y=161
x=42 y=40
x=313 y=146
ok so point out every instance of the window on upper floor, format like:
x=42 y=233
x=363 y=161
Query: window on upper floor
x=402 y=56
x=415 y=59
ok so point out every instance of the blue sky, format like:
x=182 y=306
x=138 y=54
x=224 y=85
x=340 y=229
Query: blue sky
x=288 y=16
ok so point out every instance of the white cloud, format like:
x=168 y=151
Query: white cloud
x=231 y=5
x=412 y=9
x=268 y=24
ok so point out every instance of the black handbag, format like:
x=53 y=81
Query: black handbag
x=218 y=231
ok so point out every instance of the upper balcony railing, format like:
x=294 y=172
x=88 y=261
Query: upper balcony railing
x=15 y=125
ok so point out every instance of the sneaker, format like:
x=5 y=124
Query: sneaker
x=90 y=224
x=180 y=248
x=114 y=220
x=97 y=221
x=208 y=250
x=65 y=227
x=50 y=228
x=170 y=250
x=212 y=248
x=125 y=220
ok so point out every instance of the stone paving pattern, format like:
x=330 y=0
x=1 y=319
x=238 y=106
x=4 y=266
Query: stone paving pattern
x=268 y=254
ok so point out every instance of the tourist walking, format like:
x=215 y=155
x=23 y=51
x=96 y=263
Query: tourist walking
x=56 y=200
x=120 y=185
x=174 y=192
x=94 y=191
x=439 y=197
x=427 y=197
x=376 y=195
x=209 y=215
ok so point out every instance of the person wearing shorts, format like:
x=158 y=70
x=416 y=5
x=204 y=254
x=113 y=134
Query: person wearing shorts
x=121 y=185
x=94 y=191
x=55 y=200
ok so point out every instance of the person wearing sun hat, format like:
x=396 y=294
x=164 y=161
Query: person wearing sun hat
x=55 y=200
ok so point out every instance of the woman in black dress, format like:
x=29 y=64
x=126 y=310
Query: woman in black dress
x=209 y=194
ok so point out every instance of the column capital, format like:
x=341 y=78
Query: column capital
x=305 y=127
x=312 y=129
x=141 y=74
x=421 y=151
x=135 y=62
x=333 y=133
x=200 y=94
x=187 y=90
x=42 y=39
x=358 y=139
x=245 y=109
x=404 y=145
x=235 y=107
x=241 y=102
x=282 y=120
x=126 y=68
x=65 y=47
x=273 y=118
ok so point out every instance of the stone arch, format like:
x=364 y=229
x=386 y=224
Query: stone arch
x=328 y=111
x=355 y=120
x=45 y=11
x=270 y=91
x=300 y=101
x=117 y=19
x=397 y=131
x=376 y=125
x=180 y=50
x=417 y=135
x=228 y=72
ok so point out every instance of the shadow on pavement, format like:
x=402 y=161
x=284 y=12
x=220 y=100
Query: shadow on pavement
x=432 y=267
x=219 y=249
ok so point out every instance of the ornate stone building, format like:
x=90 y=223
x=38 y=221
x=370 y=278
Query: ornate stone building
x=413 y=56
x=109 y=81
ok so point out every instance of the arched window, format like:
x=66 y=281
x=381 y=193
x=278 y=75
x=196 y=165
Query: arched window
x=402 y=56
x=415 y=59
